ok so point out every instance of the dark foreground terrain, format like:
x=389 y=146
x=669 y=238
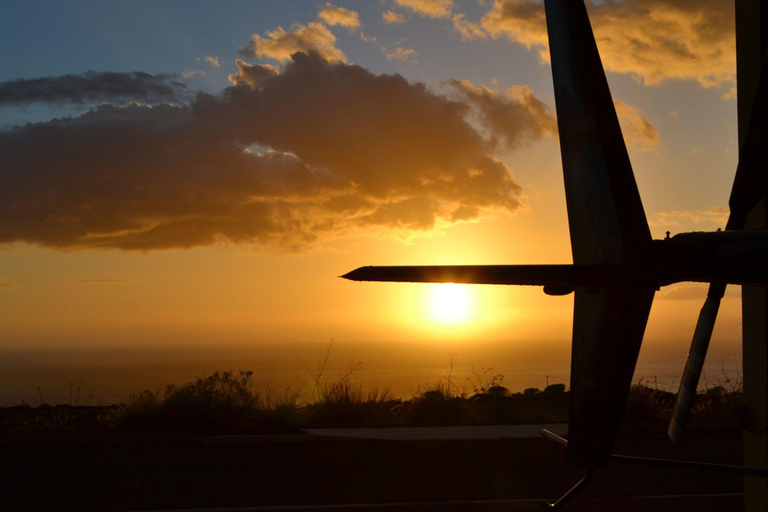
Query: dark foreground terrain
x=303 y=472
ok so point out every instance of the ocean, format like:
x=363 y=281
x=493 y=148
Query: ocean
x=103 y=375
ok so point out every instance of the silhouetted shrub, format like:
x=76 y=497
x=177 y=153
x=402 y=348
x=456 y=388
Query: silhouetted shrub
x=498 y=390
x=436 y=406
x=221 y=399
x=554 y=391
x=346 y=404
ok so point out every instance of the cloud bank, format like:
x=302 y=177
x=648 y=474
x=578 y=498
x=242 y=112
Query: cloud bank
x=93 y=87
x=652 y=40
x=283 y=159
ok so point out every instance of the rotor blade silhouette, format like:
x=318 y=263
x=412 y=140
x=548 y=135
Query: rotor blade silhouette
x=750 y=185
x=563 y=278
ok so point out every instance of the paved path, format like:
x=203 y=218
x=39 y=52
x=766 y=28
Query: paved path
x=513 y=471
x=701 y=503
x=425 y=433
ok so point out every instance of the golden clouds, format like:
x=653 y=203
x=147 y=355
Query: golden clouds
x=467 y=29
x=213 y=61
x=252 y=74
x=332 y=15
x=517 y=117
x=348 y=152
x=392 y=17
x=512 y=119
x=652 y=40
x=428 y=8
x=399 y=53
x=280 y=44
x=638 y=131
x=522 y=21
x=716 y=216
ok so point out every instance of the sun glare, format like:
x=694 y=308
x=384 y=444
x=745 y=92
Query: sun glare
x=450 y=303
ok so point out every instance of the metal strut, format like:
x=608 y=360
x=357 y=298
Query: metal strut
x=627 y=459
x=670 y=463
x=571 y=493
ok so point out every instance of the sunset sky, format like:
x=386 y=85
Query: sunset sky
x=198 y=172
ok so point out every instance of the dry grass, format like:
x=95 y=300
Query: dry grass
x=227 y=400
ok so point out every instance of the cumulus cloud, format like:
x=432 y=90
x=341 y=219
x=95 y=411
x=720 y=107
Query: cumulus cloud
x=517 y=117
x=637 y=130
x=428 y=8
x=341 y=150
x=280 y=44
x=332 y=15
x=252 y=74
x=92 y=87
x=652 y=40
x=392 y=17
x=514 y=118
x=468 y=30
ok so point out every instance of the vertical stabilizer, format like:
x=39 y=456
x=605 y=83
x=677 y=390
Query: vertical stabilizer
x=608 y=227
x=605 y=214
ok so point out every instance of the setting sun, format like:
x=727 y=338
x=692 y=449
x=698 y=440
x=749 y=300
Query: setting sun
x=450 y=303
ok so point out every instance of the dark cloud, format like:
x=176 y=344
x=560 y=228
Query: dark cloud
x=93 y=87
x=351 y=152
x=252 y=74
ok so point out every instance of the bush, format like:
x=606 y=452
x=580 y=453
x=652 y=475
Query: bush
x=437 y=406
x=219 y=400
x=346 y=404
x=554 y=391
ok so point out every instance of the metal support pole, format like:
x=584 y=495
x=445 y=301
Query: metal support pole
x=751 y=43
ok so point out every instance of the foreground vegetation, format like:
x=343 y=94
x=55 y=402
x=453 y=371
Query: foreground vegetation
x=227 y=401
